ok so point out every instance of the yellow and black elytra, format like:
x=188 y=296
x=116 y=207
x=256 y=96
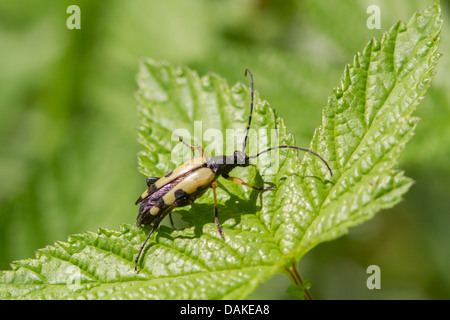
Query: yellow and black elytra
x=185 y=184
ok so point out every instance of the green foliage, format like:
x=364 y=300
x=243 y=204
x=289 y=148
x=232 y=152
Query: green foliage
x=365 y=126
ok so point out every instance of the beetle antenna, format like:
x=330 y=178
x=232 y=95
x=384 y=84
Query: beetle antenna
x=297 y=148
x=251 y=108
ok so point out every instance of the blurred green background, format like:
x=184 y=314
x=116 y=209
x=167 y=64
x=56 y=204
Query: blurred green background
x=68 y=123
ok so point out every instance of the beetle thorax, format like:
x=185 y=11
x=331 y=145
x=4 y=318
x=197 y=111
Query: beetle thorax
x=222 y=165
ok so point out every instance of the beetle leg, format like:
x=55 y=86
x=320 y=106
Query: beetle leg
x=240 y=181
x=171 y=220
x=178 y=203
x=214 y=185
x=205 y=155
x=155 y=225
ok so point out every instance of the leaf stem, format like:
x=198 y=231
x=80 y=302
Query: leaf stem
x=295 y=277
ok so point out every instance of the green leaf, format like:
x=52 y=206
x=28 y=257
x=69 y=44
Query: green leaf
x=365 y=126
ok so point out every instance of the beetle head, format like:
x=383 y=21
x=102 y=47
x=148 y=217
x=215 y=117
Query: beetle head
x=241 y=159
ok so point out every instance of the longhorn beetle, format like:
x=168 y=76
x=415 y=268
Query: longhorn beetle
x=189 y=181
